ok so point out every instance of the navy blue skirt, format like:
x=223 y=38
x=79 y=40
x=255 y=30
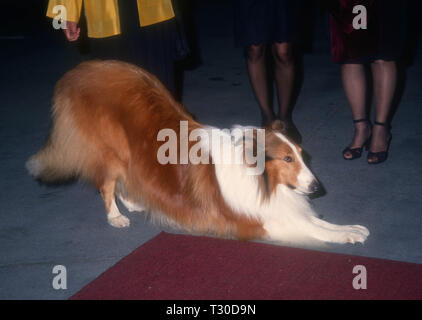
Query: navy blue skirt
x=267 y=21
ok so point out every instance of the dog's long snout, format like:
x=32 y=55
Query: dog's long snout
x=314 y=186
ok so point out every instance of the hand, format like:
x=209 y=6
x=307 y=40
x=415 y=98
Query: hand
x=72 y=31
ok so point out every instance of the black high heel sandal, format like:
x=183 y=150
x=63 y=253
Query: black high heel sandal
x=382 y=155
x=356 y=153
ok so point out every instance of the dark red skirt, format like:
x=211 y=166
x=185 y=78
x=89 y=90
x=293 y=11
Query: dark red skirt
x=383 y=39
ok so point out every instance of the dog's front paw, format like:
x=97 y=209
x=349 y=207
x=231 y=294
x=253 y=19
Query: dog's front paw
x=119 y=221
x=356 y=234
x=362 y=229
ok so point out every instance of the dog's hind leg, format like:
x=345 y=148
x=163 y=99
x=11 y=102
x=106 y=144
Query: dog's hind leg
x=131 y=206
x=122 y=194
x=114 y=217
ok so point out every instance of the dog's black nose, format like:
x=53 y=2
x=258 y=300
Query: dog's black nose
x=315 y=186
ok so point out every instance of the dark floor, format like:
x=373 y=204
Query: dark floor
x=47 y=226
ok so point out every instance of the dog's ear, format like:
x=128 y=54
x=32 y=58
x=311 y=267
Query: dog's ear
x=276 y=125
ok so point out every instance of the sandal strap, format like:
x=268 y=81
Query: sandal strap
x=368 y=122
x=361 y=120
x=383 y=124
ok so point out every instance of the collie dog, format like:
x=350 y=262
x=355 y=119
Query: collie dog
x=106 y=119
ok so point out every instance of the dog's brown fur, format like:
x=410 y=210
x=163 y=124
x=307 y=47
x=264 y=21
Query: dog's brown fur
x=107 y=115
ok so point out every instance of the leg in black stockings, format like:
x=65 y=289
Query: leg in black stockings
x=284 y=75
x=257 y=69
x=385 y=83
x=354 y=83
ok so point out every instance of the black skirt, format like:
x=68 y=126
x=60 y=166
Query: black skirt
x=151 y=47
x=267 y=21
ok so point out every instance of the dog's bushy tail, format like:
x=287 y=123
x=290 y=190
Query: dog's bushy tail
x=64 y=153
x=49 y=165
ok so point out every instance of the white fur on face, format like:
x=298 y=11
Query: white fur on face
x=305 y=176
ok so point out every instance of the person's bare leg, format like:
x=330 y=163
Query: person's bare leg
x=258 y=76
x=385 y=82
x=285 y=76
x=354 y=83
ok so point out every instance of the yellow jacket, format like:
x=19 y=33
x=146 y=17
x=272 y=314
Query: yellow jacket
x=102 y=16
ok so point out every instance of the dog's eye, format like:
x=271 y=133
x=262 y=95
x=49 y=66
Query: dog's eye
x=288 y=159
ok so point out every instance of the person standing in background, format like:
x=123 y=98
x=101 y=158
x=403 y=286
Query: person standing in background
x=379 y=44
x=270 y=26
x=138 y=31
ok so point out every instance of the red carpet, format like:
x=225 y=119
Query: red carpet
x=199 y=268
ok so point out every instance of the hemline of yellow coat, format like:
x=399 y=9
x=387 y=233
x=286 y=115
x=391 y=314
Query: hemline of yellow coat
x=102 y=16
